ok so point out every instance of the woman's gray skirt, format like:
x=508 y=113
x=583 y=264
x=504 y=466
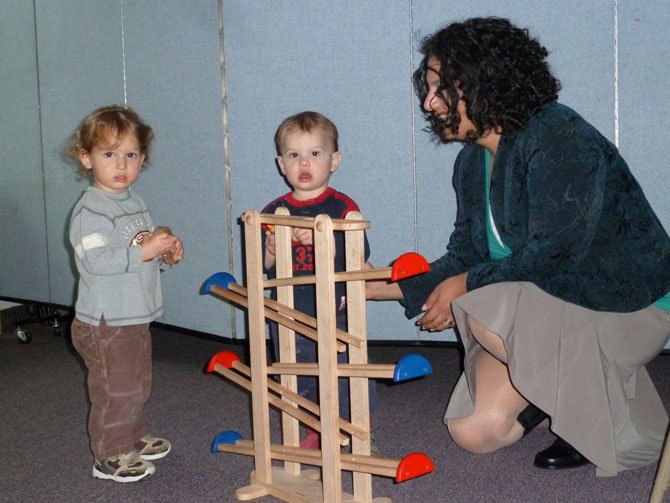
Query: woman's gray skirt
x=584 y=368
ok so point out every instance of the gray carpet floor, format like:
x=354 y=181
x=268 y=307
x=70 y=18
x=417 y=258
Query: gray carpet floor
x=45 y=456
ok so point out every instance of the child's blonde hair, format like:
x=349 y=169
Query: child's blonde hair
x=106 y=123
x=307 y=122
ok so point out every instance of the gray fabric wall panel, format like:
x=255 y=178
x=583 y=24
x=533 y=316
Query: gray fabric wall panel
x=23 y=245
x=80 y=68
x=173 y=80
x=350 y=60
x=644 y=98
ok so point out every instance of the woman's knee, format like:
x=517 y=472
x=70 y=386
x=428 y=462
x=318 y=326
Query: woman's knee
x=484 y=433
x=469 y=435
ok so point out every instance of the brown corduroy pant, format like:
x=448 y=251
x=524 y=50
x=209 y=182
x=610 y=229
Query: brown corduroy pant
x=119 y=383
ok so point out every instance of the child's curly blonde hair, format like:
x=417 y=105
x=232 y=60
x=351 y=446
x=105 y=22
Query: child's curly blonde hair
x=107 y=124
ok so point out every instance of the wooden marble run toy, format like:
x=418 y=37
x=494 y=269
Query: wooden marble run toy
x=289 y=480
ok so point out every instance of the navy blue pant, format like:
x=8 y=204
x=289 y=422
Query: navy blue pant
x=308 y=386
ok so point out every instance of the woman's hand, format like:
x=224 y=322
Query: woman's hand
x=438 y=315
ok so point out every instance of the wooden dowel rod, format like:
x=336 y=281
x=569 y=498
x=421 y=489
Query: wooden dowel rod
x=293 y=411
x=282 y=318
x=246 y=384
x=281 y=390
x=370 y=370
x=339 y=224
x=374 y=465
x=275 y=306
x=294 y=281
x=362 y=275
x=302 y=401
x=287 y=220
x=376 y=460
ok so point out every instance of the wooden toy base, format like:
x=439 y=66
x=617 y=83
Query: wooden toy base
x=303 y=488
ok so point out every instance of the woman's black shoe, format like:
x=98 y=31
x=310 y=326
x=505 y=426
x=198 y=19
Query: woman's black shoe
x=559 y=456
x=530 y=417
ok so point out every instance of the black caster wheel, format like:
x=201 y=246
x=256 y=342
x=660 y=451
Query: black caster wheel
x=23 y=336
x=57 y=327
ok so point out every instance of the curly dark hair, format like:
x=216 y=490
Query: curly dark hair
x=499 y=68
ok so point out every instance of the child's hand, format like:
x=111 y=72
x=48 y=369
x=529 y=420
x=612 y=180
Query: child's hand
x=270 y=244
x=175 y=254
x=159 y=243
x=304 y=236
x=270 y=250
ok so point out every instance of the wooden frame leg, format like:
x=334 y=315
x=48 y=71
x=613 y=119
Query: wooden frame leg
x=662 y=475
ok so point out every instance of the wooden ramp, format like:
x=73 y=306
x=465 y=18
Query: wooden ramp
x=311 y=475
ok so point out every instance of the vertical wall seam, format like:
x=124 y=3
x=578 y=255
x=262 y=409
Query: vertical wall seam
x=41 y=140
x=616 y=73
x=415 y=194
x=413 y=116
x=227 y=171
x=123 y=57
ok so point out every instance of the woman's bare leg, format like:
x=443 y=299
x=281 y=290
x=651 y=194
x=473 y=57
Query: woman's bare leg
x=493 y=423
x=490 y=341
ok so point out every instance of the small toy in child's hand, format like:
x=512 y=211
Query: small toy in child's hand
x=170 y=257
